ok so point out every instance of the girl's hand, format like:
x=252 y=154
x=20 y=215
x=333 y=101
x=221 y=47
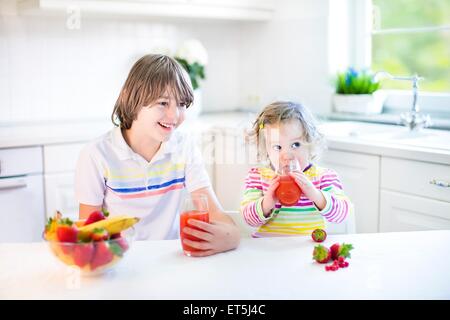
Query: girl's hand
x=270 y=199
x=216 y=237
x=309 y=190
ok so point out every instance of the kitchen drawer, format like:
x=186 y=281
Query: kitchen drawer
x=360 y=175
x=61 y=158
x=20 y=161
x=404 y=212
x=415 y=177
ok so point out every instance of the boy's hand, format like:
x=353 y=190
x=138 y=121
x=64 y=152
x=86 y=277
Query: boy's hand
x=270 y=199
x=216 y=237
x=308 y=189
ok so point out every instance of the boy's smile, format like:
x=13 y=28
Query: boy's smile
x=167 y=126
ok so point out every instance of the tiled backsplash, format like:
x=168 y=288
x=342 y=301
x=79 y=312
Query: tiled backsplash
x=51 y=72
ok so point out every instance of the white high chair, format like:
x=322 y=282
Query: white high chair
x=346 y=227
x=246 y=230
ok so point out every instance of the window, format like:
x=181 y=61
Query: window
x=412 y=36
x=402 y=37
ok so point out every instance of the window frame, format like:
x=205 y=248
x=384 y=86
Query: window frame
x=362 y=18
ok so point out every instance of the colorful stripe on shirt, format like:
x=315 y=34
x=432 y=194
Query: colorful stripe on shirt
x=301 y=218
x=150 y=190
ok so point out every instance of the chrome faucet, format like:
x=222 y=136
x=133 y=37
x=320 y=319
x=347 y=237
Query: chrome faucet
x=414 y=119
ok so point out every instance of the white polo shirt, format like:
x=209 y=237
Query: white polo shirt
x=111 y=174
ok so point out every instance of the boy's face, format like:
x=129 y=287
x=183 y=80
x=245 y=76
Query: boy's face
x=284 y=142
x=161 y=118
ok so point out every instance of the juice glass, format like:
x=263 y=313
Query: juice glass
x=288 y=192
x=194 y=207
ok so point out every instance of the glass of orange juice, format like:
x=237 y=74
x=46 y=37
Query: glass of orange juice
x=195 y=206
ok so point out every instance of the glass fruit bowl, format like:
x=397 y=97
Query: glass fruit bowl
x=93 y=257
x=93 y=245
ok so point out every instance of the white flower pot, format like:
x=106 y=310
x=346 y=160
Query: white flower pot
x=359 y=103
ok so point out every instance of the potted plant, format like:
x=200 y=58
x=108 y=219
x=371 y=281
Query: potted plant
x=193 y=58
x=358 y=92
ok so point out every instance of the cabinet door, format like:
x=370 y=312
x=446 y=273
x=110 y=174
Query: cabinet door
x=60 y=194
x=22 y=215
x=359 y=174
x=61 y=157
x=405 y=212
x=423 y=179
x=197 y=9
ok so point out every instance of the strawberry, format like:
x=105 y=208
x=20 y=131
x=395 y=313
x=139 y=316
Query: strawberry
x=321 y=254
x=96 y=216
x=340 y=250
x=319 y=235
x=82 y=254
x=65 y=232
x=99 y=234
x=102 y=255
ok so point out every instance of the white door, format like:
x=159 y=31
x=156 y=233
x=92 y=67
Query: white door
x=359 y=174
x=22 y=214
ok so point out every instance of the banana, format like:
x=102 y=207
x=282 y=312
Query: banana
x=113 y=224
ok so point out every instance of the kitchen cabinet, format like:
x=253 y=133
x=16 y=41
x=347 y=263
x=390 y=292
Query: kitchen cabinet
x=246 y=10
x=405 y=212
x=60 y=162
x=21 y=194
x=415 y=195
x=359 y=174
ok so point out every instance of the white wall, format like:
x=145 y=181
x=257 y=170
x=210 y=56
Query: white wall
x=51 y=72
x=287 y=58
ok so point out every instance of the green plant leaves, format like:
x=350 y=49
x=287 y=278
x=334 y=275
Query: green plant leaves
x=356 y=82
x=196 y=71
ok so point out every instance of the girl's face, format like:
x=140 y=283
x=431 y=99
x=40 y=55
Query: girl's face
x=161 y=118
x=284 y=142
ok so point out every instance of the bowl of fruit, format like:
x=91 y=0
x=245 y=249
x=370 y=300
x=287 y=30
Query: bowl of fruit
x=94 y=245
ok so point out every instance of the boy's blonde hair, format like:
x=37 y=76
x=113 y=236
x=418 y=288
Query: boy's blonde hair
x=283 y=111
x=148 y=79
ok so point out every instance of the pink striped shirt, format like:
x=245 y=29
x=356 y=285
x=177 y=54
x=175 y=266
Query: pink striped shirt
x=301 y=218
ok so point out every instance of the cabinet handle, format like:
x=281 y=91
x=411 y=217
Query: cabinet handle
x=7 y=184
x=440 y=183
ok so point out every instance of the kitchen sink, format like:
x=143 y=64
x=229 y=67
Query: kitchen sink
x=425 y=138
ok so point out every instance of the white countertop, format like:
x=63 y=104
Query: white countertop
x=428 y=145
x=378 y=139
x=34 y=134
x=38 y=134
x=411 y=265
